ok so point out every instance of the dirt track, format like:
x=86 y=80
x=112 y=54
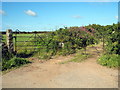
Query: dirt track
x=51 y=74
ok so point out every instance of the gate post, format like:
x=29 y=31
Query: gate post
x=9 y=39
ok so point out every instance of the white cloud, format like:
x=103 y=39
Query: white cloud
x=31 y=13
x=76 y=16
x=2 y=12
x=116 y=17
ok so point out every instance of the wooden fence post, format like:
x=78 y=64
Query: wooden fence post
x=9 y=38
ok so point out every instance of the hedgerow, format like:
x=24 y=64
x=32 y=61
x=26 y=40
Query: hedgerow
x=65 y=41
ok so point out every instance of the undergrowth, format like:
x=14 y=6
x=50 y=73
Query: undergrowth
x=14 y=62
x=110 y=60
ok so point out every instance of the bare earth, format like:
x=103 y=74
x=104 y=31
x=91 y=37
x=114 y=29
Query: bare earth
x=51 y=74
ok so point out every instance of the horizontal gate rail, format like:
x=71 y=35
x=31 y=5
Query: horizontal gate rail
x=37 y=48
x=27 y=36
x=27 y=41
x=29 y=45
x=34 y=48
x=31 y=37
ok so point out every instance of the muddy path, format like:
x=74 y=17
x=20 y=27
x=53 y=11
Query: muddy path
x=51 y=74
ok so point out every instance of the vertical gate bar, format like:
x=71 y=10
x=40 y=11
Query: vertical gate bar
x=38 y=47
x=35 y=40
x=16 y=41
x=103 y=44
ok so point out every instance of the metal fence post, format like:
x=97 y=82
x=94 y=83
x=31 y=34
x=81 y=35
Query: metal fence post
x=9 y=38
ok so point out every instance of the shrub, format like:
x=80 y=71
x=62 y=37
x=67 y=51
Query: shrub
x=110 y=60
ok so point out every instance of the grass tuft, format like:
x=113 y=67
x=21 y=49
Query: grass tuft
x=79 y=57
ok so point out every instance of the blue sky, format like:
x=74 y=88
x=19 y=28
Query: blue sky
x=45 y=16
x=59 y=0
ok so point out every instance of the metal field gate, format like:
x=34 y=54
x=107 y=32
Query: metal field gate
x=27 y=41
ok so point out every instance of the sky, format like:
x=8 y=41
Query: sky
x=47 y=16
x=59 y=0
